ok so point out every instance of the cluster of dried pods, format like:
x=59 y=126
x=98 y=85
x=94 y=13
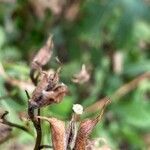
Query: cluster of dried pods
x=49 y=90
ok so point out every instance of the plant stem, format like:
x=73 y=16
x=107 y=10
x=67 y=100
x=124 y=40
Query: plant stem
x=6 y=122
x=37 y=125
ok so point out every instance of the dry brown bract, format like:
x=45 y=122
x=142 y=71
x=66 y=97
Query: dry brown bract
x=41 y=59
x=82 y=77
x=44 y=55
x=58 y=133
x=86 y=128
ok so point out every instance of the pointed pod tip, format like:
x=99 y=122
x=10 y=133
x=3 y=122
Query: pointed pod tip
x=50 y=40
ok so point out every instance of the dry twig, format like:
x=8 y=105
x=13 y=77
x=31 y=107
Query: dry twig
x=5 y=121
x=126 y=88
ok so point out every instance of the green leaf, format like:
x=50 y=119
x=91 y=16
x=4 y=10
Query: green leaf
x=135 y=113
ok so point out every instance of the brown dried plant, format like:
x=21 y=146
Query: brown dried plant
x=49 y=90
x=82 y=77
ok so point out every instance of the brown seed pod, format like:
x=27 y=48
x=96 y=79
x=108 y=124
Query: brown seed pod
x=58 y=133
x=86 y=128
x=44 y=54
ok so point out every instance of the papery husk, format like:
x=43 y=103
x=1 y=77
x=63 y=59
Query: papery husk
x=86 y=128
x=71 y=133
x=44 y=54
x=58 y=133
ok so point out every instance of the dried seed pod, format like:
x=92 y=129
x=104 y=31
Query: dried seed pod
x=86 y=128
x=49 y=97
x=41 y=59
x=58 y=133
x=44 y=54
x=83 y=133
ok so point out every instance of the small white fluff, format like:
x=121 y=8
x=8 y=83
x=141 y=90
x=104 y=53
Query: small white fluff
x=46 y=92
x=78 y=109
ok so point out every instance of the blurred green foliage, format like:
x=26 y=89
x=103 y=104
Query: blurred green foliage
x=100 y=29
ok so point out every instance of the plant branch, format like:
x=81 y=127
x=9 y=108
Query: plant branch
x=126 y=88
x=31 y=112
x=37 y=125
x=6 y=122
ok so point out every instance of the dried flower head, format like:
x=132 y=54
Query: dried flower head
x=48 y=91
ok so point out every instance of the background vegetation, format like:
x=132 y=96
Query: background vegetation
x=111 y=37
